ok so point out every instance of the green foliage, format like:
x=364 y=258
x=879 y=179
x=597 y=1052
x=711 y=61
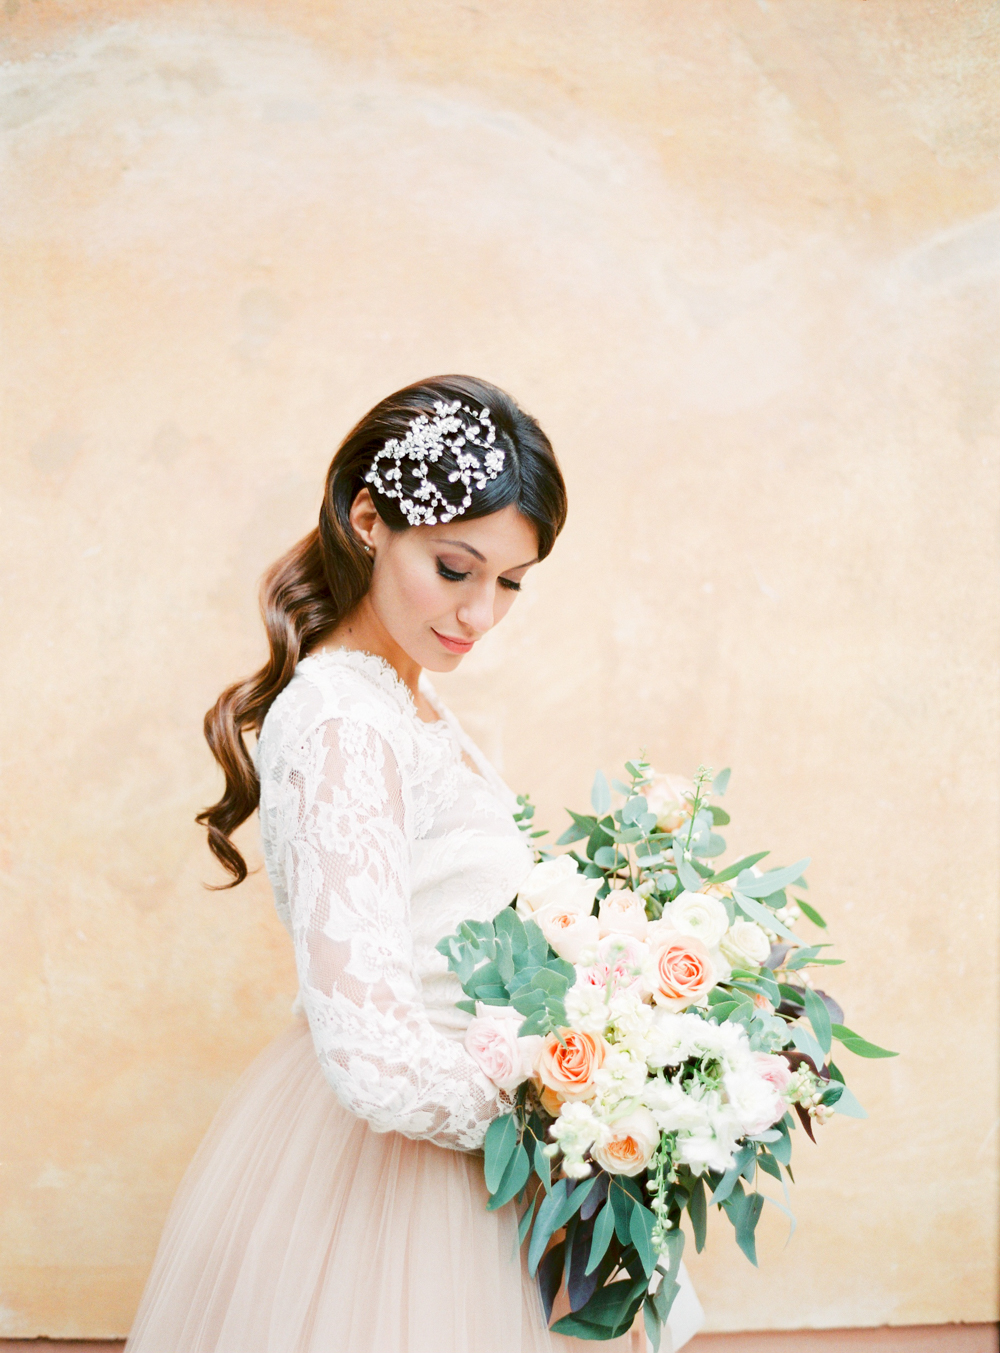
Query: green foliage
x=855 y=1043
x=509 y=962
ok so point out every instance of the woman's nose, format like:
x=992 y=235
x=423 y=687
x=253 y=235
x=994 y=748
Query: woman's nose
x=477 y=611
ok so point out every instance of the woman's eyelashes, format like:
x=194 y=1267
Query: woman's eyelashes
x=453 y=576
x=450 y=573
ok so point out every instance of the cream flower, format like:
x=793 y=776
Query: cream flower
x=574 y=935
x=630 y=1144
x=559 y=882
x=587 y=1008
x=698 y=914
x=623 y=912
x=745 y=943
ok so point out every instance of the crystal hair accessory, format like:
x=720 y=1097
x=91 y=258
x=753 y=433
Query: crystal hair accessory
x=455 y=428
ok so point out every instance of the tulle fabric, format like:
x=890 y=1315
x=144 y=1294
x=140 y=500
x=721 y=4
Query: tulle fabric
x=299 y=1230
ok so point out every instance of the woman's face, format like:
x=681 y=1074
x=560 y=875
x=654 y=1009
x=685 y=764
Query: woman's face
x=436 y=590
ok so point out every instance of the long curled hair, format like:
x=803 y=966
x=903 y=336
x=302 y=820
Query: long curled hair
x=321 y=580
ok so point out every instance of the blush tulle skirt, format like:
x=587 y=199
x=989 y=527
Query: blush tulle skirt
x=299 y=1230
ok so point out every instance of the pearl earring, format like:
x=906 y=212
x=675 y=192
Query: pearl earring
x=368 y=549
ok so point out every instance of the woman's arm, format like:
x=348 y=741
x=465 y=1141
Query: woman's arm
x=346 y=864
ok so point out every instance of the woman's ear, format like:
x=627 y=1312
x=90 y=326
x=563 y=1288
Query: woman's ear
x=363 y=517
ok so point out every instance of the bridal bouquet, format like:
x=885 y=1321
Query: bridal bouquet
x=657 y=1024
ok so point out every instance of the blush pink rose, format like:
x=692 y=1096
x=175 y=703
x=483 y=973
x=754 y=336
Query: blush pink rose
x=774 y=1070
x=567 y=1067
x=492 y=1040
x=683 y=972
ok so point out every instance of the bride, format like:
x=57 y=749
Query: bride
x=337 y=1204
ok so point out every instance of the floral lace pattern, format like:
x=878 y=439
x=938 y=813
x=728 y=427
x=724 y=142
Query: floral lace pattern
x=378 y=839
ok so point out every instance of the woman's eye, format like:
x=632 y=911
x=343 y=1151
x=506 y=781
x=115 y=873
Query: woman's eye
x=510 y=584
x=450 y=573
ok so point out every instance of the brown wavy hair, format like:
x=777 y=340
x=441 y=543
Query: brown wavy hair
x=321 y=580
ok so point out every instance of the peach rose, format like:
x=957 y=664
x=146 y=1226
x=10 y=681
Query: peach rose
x=631 y=1145
x=682 y=971
x=567 y=1068
x=669 y=797
x=623 y=912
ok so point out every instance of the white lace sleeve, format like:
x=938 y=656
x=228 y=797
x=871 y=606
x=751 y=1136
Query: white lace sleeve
x=346 y=875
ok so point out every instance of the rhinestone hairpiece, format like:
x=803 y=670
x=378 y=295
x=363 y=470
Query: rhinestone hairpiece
x=425 y=442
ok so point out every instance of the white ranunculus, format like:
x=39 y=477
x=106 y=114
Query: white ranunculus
x=745 y=943
x=623 y=912
x=573 y=934
x=698 y=914
x=629 y=1145
x=557 y=881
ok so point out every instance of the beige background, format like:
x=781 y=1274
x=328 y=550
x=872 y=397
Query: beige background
x=740 y=259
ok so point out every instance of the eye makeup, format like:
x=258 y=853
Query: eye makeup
x=453 y=576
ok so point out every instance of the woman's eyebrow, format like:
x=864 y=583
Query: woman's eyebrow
x=462 y=546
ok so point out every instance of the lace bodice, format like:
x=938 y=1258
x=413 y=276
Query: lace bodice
x=378 y=840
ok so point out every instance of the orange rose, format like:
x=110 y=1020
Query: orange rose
x=682 y=970
x=567 y=1068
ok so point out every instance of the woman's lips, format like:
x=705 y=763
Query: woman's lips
x=454 y=645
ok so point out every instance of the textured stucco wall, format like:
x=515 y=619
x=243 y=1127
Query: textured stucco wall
x=740 y=258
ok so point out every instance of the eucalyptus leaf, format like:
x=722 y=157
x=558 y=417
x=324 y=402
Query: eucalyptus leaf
x=653 y=1324
x=498 y=1147
x=698 y=1212
x=721 y=782
x=734 y=870
x=641 y=1226
x=806 y=1043
x=848 y=1105
x=600 y=794
x=810 y=913
x=856 y=1044
x=688 y=876
x=819 y=1018
x=525 y=1222
x=514 y=1179
x=542 y=1164
x=604 y=1229
x=773 y=881
x=756 y=911
x=727 y=1185
x=545 y=1224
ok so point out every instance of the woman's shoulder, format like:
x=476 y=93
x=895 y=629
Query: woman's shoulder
x=344 y=685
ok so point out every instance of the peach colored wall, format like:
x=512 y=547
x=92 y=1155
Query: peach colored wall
x=740 y=258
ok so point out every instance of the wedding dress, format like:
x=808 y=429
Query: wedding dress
x=337 y=1204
